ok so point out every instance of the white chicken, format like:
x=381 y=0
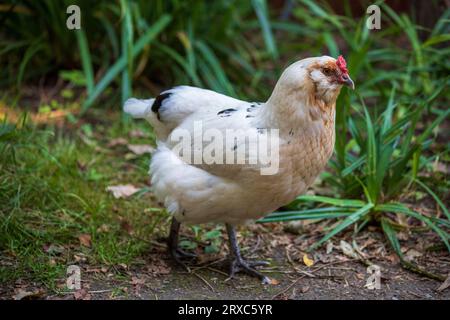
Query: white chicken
x=301 y=107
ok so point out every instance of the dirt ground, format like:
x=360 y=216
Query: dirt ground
x=342 y=281
x=335 y=274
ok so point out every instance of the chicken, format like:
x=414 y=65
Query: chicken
x=301 y=109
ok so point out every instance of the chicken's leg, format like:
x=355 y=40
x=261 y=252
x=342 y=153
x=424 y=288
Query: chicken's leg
x=172 y=243
x=238 y=263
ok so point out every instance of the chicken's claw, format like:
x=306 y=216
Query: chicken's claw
x=240 y=265
x=178 y=255
x=172 y=242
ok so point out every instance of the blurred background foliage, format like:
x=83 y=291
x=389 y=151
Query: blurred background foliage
x=235 y=47
x=392 y=133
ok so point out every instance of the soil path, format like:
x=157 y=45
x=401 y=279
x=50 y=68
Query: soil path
x=334 y=280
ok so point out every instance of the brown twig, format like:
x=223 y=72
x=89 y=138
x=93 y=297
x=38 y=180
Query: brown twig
x=218 y=271
x=416 y=269
x=204 y=281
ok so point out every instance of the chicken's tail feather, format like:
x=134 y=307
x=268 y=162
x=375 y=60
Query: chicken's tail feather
x=138 y=108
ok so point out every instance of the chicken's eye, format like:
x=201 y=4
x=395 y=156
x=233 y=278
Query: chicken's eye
x=327 y=71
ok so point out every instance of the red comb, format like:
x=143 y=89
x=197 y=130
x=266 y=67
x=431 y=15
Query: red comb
x=342 y=65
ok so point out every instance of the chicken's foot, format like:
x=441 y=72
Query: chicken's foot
x=238 y=264
x=172 y=243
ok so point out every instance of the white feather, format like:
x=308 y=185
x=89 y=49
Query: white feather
x=138 y=108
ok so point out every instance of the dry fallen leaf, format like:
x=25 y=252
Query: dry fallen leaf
x=307 y=261
x=138 y=134
x=329 y=247
x=274 y=281
x=360 y=276
x=441 y=167
x=103 y=228
x=125 y=225
x=158 y=267
x=23 y=294
x=85 y=240
x=140 y=148
x=412 y=255
x=137 y=284
x=117 y=142
x=82 y=294
x=305 y=289
x=393 y=258
x=122 y=191
x=445 y=284
x=137 y=281
x=53 y=249
x=123 y=266
x=348 y=250
x=404 y=236
x=80 y=257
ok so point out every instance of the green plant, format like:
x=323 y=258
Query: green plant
x=210 y=239
x=52 y=190
x=119 y=42
x=376 y=161
x=387 y=162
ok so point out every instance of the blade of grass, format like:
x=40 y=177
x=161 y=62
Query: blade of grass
x=260 y=7
x=180 y=60
x=86 y=62
x=214 y=63
x=333 y=201
x=436 y=198
x=355 y=165
x=320 y=213
x=127 y=49
x=351 y=219
x=34 y=48
x=117 y=67
x=400 y=208
x=373 y=185
x=309 y=216
x=395 y=244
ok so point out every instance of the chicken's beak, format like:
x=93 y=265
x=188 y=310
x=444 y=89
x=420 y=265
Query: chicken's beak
x=346 y=80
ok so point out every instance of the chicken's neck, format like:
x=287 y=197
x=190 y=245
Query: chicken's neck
x=306 y=127
x=286 y=110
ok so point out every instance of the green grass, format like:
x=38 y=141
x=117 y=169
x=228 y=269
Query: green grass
x=52 y=190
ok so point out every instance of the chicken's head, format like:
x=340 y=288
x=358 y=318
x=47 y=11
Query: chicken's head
x=330 y=72
x=320 y=77
x=328 y=76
